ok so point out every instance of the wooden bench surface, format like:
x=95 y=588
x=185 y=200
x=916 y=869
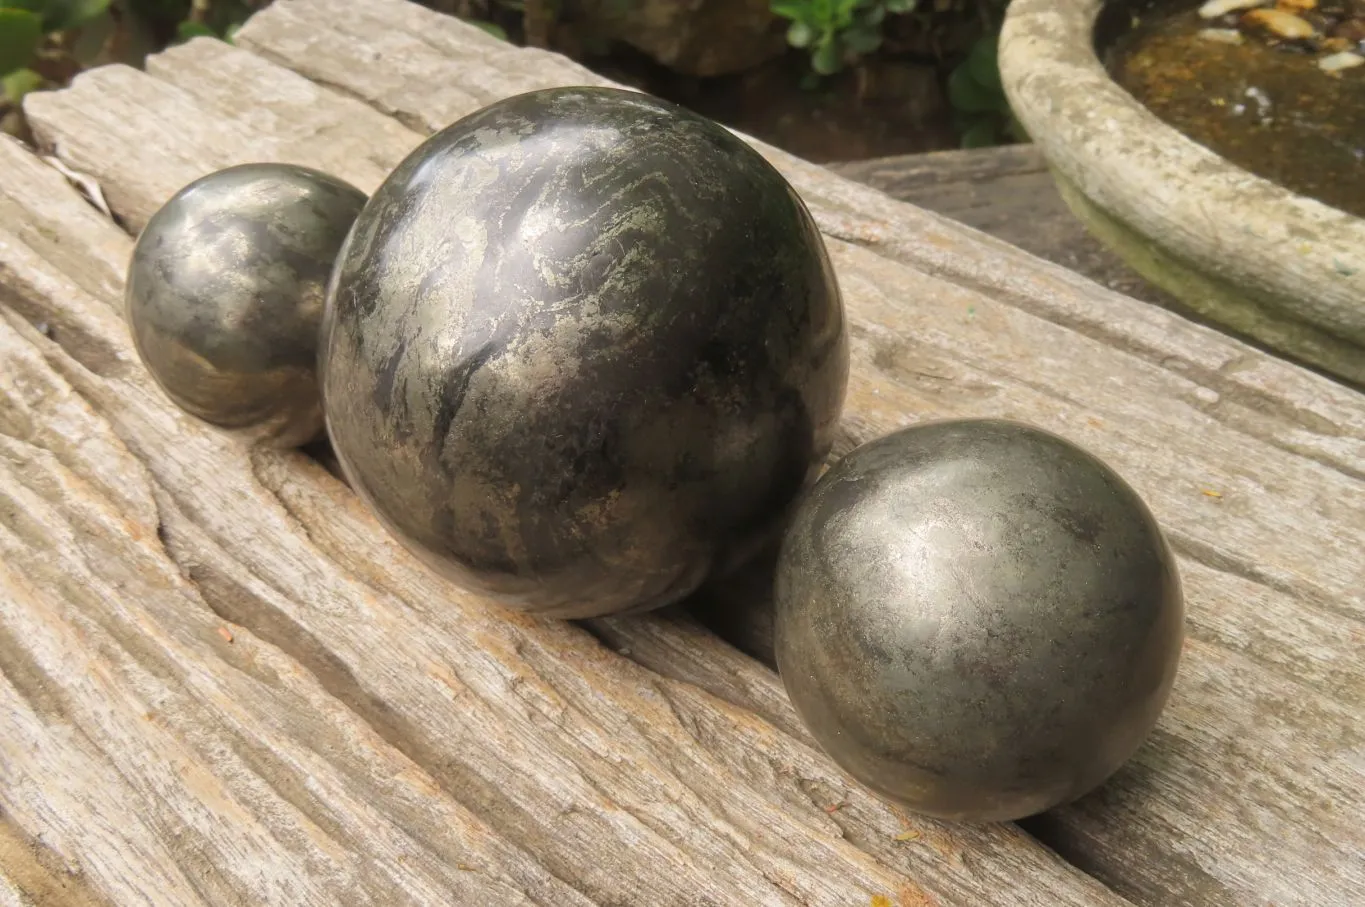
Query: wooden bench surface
x=222 y=683
x=1008 y=192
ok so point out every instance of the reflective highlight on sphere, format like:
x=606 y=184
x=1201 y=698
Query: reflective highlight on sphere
x=977 y=618
x=225 y=293
x=584 y=349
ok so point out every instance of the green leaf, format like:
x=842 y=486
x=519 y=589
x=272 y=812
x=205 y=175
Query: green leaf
x=862 y=41
x=843 y=14
x=231 y=31
x=187 y=30
x=982 y=134
x=873 y=16
x=800 y=34
x=900 y=6
x=827 y=58
x=33 y=6
x=61 y=15
x=19 y=83
x=790 y=9
x=967 y=94
x=983 y=64
x=21 y=31
x=492 y=28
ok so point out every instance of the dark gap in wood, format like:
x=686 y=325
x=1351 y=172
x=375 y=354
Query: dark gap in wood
x=1184 y=881
x=321 y=451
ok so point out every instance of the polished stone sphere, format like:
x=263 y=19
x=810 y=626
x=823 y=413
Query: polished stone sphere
x=977 y=618
x=583 y=349
x=225 y=293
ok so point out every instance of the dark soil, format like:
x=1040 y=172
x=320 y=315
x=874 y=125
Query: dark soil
x=884 y=108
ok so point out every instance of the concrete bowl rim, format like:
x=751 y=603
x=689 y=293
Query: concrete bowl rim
x=1153 y=178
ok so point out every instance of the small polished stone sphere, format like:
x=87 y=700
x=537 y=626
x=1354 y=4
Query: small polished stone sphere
x=977 y=618
x=225 y=293
x=583 y=350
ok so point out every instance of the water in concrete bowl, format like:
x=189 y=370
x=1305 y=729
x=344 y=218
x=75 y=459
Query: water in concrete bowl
x=1274 y=88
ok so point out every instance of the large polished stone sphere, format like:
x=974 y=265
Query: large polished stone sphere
x=583 y=349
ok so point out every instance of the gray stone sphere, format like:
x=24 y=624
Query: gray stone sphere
x=584 y=349
x=225 y=293
x=977 y=618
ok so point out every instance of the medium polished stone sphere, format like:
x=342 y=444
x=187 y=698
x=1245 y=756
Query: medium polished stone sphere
x=225 y=293
x=583 y=350
x=977 y=618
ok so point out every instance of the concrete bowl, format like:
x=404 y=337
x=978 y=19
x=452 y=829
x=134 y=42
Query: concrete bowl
x=1245 y=254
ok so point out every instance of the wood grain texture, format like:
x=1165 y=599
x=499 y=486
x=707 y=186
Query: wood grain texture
x=1253 y=465
x=222 y=683
x=1251 y=790
x=1009 y=193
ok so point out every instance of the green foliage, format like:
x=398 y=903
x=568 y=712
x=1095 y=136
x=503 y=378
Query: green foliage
x=29 y=31
x=190 y=29
x=61 y=15
x=980 y=108
x=837 y=32
x=20 y=82
x=492 y=28
x=840 y=33
x=180 y=20
x=21 y=31
x=45 y=42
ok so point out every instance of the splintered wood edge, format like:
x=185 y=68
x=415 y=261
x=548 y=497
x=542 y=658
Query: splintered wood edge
x=276 y=705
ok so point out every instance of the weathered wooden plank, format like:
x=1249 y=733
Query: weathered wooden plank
x=27 y=879
x=978 y=328
x=1272 y=566
x=254 y=696
x=1009 y=193
x=980 y=187
x=120 y=683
